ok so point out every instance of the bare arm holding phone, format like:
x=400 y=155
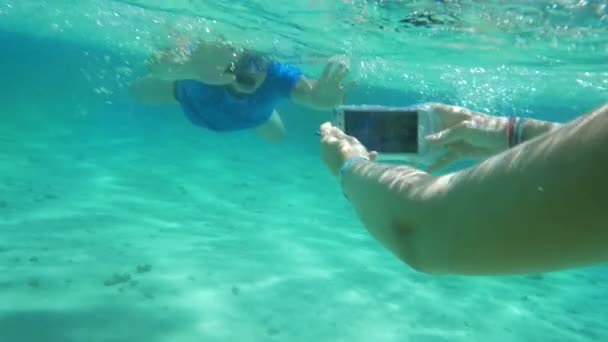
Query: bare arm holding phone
x=537 y=207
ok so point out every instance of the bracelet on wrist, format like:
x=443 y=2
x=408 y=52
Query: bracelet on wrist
x=515 y=129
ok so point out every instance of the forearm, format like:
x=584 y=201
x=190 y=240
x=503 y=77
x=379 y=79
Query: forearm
x=391 y=203
x=533 y=128
x=538 y=207
x=524 y=129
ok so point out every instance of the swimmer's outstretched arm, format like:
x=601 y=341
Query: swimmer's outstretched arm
x=207 y=63
x=540 y=206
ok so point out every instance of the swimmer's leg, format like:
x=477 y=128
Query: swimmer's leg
x=151 y=90
x=273 y=130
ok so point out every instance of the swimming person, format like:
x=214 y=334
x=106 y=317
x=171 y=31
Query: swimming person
x=536 y=204
x=223 y=88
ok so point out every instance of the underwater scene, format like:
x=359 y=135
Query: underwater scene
x=128 y=221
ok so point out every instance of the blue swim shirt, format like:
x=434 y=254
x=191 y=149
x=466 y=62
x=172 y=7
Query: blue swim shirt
x=213 y=106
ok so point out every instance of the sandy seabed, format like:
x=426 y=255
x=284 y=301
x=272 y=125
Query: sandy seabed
x=180 y=237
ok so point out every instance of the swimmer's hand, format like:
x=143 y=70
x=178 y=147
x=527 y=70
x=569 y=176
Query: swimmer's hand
x=328 y=91
x=466 y=135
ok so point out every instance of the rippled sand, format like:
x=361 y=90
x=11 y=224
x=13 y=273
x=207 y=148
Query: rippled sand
x=168 y=233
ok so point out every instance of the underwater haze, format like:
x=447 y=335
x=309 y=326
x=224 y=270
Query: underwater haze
x=122 y=222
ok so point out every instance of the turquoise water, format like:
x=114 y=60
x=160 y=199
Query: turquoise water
x=126 y=223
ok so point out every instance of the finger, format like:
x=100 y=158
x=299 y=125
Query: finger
x=449 y=109
x=340 y=59
x=449 y=115
x=340 y=72
x=450 y=135
x=327 y=136
x=451 y=157
x=329 y=140
x=338 y=133
x=326 y=71
x=326 y=128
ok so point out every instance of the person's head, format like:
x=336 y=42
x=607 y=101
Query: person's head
x=250 y=71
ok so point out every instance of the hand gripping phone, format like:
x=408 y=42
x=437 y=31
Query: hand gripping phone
x=396 y=133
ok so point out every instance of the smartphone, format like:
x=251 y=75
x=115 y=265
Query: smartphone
x=393 y=132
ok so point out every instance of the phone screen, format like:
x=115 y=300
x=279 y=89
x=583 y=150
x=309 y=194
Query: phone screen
x=384 y=131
